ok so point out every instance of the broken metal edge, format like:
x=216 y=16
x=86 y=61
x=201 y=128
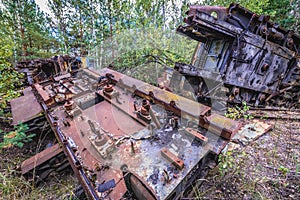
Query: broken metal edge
x=74 y=162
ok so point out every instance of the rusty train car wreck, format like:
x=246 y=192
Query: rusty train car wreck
x=243 y=54
x=126 y=139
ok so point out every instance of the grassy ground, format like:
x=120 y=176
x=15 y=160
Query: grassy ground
x=14 y=186
x=268 y=168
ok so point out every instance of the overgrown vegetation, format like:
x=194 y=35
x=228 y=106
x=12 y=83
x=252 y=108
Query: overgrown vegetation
x=17 y=137
x=285 y=12
x=78 y=27
x=237 y=112
x=14 y=186
x=9 y=78
x=144 y=53
x=227 y=162
x=260 y=170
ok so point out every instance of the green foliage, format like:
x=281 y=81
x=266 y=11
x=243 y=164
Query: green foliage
x=285 y=12
x=226 y=163
x=97 y=21
x=133 y=49
x=283 y=170
x=78 y=26
x=29 y=27
x=280 y=12
x=15 y=186
x=9 y=78
x=295 y=14
x=238 y=112
x=231 y=162
x=151 y=45
x=17 y=137
x=256 y=6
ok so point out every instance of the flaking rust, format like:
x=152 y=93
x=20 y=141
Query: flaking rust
x=126 y=139
x=172 y=158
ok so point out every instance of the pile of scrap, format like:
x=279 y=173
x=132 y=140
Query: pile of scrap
x=38 y=70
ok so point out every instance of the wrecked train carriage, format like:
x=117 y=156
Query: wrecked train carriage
x=126 y=138
x=241 y=56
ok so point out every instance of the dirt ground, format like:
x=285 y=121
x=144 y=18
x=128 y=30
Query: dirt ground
x=267 y=168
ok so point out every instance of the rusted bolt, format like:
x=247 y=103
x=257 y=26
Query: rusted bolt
x=236 y=91
x=144 y=111
x=264 y=30
x=69 y=105
x=97 y=167
x=262 y=97
x=108 y=88
x=151 y=94
x=145 y=107
x=265 y=67
x=145 y=104
x=132 y=147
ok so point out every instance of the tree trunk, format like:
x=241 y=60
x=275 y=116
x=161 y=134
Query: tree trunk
x=24 y=45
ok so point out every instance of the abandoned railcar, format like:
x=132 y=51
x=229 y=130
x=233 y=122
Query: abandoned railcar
x=241 y=56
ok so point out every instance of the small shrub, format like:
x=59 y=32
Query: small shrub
x=226 y=162
x=17 y=137
x=238 y=112
x=283 y=170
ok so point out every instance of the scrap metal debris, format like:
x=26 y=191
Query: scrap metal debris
x=165 y=141
x=125 y=138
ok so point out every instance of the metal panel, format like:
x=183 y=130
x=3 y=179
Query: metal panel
x=25 y=108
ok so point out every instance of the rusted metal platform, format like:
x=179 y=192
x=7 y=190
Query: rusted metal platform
x=111 y=125
x=25 y=108
x=40 y=158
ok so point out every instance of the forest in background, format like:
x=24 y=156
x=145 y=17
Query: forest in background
x=78 y=27
x=127 y=34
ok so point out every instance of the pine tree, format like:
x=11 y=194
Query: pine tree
x=29 y=28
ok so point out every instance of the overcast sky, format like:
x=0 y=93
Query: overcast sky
x=43 y=5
